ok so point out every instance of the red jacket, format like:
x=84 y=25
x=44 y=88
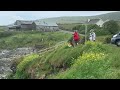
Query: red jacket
x=76 y=36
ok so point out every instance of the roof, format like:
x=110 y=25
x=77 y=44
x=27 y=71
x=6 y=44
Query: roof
x=13 y=26
x=37 y=22
x=24 y=22
x=93 y=21
x=52 y=24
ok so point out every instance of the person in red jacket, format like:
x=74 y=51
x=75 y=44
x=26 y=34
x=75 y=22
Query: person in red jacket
x=76 y=37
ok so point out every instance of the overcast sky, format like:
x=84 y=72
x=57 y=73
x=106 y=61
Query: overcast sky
x=8 y=17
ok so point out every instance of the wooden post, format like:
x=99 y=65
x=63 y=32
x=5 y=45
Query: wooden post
x=49 y=44
x=85 y=33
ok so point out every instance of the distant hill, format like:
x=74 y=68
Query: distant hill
x=78 y=19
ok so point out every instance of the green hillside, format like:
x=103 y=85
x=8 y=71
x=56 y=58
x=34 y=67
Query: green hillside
x=94 y=60
x=78 y=19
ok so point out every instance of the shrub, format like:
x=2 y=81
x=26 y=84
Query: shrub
x=102 y=32
x=20 y=73
x=108 y=39
x=5 y=34
x=111 y=26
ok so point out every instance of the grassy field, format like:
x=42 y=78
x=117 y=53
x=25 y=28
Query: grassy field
x=11 y=40
x=68 y=26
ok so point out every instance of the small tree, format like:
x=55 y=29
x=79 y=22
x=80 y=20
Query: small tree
x=111 y=26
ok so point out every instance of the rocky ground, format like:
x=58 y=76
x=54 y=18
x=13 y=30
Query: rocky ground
x=7 y=56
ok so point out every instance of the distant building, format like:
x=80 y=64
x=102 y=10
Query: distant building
x=33 y=25
x=98 y=22
x=46 y=26
x=52 y=26
x=25 y=25
x=13 y=27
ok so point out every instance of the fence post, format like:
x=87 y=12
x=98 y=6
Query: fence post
x=85 y=33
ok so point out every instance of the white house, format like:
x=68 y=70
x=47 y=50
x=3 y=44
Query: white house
x=98 y=22
x=106 y=20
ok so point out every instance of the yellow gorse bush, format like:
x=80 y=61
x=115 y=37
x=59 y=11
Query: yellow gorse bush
x=91 y=56
x=26 y=60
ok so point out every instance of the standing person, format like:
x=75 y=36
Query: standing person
x=76 y=37
x=92 y=36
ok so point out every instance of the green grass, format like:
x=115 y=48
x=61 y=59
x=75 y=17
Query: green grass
x=104 y=39
x=68 y=27
x=91 y=61
x=100 y=63
x=11 y=40
x=20 y=73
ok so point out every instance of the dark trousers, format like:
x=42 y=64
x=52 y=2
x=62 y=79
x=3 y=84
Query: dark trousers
x=76 y=41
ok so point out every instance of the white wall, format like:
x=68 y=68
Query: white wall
x=100 y=23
